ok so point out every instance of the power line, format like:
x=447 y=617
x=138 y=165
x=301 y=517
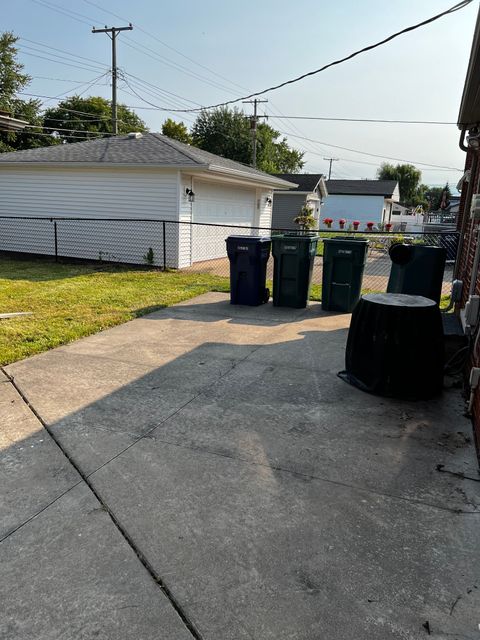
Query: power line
x=60 y=10
x=376 y=155
x=418 y=25
x=154 y=37
x=66 y=64
x=68 y=53
x=374 y=120
x=59 y=79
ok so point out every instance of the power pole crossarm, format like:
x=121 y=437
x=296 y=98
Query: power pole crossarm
x=112 y=33
x=253 y=127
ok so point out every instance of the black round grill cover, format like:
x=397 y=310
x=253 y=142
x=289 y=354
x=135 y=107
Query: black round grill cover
x=395 y=346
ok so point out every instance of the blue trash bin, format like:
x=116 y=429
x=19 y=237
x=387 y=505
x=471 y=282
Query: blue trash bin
x=248 y=256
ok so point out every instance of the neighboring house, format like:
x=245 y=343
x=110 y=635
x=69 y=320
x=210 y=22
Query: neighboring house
x=363 y=200
x=135 y=177
x=468 y=225
x=310 y=191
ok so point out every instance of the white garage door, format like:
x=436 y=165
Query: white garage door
x=223 y=205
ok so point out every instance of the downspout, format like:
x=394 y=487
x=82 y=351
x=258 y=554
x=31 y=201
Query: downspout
x=468 y=198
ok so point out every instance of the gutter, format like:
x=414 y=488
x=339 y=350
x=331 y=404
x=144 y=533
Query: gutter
x=261 y=178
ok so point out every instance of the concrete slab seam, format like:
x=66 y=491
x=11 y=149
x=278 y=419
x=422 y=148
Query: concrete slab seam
x=39 y=512
x=189 y=624
x=299 y=474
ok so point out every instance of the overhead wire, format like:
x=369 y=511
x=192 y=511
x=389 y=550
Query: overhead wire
x=163 y=43
x=371 y=120
x=376 y=155
x=453 y=9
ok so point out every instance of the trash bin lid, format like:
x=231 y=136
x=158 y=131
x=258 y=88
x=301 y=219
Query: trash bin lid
x=399 y=300
x=251 y=239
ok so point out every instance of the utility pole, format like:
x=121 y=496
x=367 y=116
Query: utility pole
x=112 y=33
x=253 y=127
x=331 y=160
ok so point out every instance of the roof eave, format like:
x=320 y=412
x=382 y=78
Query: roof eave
x=469 y=113
x=260 y=178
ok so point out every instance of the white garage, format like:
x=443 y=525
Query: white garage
x=221 y=205
x=115 y=198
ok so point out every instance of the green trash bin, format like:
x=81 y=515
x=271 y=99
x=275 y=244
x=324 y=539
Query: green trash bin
x=343 y=264
x=293 y=258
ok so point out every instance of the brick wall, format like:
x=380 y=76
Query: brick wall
x=465 y=273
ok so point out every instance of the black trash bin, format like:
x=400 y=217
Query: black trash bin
x=293 y=259
x=417 y=270
x=343 y=265
x=395 y=346
x=449 y=241
x=248 y=257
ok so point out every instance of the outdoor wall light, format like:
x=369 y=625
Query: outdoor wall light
x=268 y=200
x=473 y=139
x=190 y=195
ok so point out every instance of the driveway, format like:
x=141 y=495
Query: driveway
x=202 y=472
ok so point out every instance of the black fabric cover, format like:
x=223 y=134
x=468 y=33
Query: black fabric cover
x=395 y=346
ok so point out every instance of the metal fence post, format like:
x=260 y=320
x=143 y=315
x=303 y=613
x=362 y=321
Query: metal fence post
x=164 y=246
x=56 y=239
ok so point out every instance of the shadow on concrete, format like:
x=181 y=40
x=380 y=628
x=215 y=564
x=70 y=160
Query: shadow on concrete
x=261 y=488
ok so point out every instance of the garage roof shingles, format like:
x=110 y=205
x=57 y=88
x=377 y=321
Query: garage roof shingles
x=147 y=149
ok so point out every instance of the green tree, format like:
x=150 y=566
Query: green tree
x=227 y=133
x=177 y=131
x=12 y=81
x=412 y=192
x=78 y=117
x=438 y=197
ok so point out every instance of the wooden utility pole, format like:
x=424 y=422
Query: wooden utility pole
x=253 y=127
x=331 y=160
x=112 y=33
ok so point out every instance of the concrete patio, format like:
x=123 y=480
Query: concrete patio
x=202 y=473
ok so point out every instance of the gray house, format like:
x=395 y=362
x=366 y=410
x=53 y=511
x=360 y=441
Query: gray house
x=311 y=191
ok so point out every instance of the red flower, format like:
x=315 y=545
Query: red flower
x=370 y=224
x=342 y=221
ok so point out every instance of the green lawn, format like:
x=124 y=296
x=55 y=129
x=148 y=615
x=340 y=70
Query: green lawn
x=70 y=301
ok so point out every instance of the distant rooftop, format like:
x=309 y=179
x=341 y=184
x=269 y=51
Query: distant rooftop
x=383 y=188
x=305 y=181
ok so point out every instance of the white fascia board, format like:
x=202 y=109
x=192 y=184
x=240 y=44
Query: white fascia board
x=260 y=179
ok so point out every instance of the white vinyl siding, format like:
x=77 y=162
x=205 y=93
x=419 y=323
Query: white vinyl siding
x=221 y=204
x=264 y=210
x=185 y=229
x=93 y=193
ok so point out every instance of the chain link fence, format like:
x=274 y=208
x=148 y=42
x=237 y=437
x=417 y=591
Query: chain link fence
x=195 y=247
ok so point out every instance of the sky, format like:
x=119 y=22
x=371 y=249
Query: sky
x=201 y=53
